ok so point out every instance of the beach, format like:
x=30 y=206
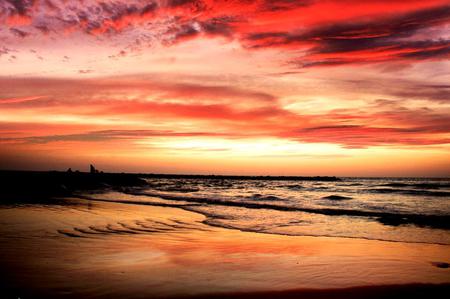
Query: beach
x=200 y=149
x=93 y=249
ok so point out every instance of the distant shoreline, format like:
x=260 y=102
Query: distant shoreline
x=193 y=176
x=44 y=185
x=237 y=177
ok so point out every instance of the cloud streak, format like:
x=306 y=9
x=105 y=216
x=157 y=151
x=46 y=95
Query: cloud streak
x=214 y=111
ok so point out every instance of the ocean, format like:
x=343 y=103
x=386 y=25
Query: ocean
x=414 y=210
x=105 y=235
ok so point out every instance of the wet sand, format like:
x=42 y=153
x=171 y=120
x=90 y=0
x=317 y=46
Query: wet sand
x=89 y=249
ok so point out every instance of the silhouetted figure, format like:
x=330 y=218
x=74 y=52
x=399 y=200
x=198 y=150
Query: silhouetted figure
x=93 y=170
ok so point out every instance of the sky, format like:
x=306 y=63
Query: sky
x=253 y=87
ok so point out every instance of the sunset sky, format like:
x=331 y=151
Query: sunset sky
x=284 y=87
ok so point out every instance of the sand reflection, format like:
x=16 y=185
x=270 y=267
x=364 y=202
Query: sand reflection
x=96 y=249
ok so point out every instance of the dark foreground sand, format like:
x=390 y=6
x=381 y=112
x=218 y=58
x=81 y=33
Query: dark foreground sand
x=88 y=249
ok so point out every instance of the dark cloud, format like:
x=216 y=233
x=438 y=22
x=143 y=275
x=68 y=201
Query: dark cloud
x=403 y=25
x=386 y=36
x=184 y=32
x=4 y=51
x=438 y=93
x=400 y=89
x=279 y=5
x=192 y=5
x=175 y=3
x=440 y=49
x=50 y=5
x=117 y=10
x=219 y=26
x=42 y=28
x=149 y=8
x=19 y=33
x=21 y=7
x=356 y=35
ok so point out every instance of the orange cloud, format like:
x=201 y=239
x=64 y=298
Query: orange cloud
x=216 y=110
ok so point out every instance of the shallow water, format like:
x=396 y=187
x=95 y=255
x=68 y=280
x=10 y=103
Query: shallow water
x=403 y=209
x=181 y=237
x=92 y=249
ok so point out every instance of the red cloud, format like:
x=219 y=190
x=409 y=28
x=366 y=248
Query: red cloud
x=358 y=136
x=212 y=110
x=328 y=32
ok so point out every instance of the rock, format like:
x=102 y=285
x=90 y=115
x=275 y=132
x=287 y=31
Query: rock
x=441 y=264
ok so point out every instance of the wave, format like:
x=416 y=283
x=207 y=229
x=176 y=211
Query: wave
x=180 y=189
x=336 y=197
x=411 y=192
x=241 y=177
x=350 y=184
x=418 y=185
x=264 y=197
x=293 y=187
x=386 y=218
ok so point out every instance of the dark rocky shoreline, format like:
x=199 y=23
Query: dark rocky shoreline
x=32 y=185
x=38 y=186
